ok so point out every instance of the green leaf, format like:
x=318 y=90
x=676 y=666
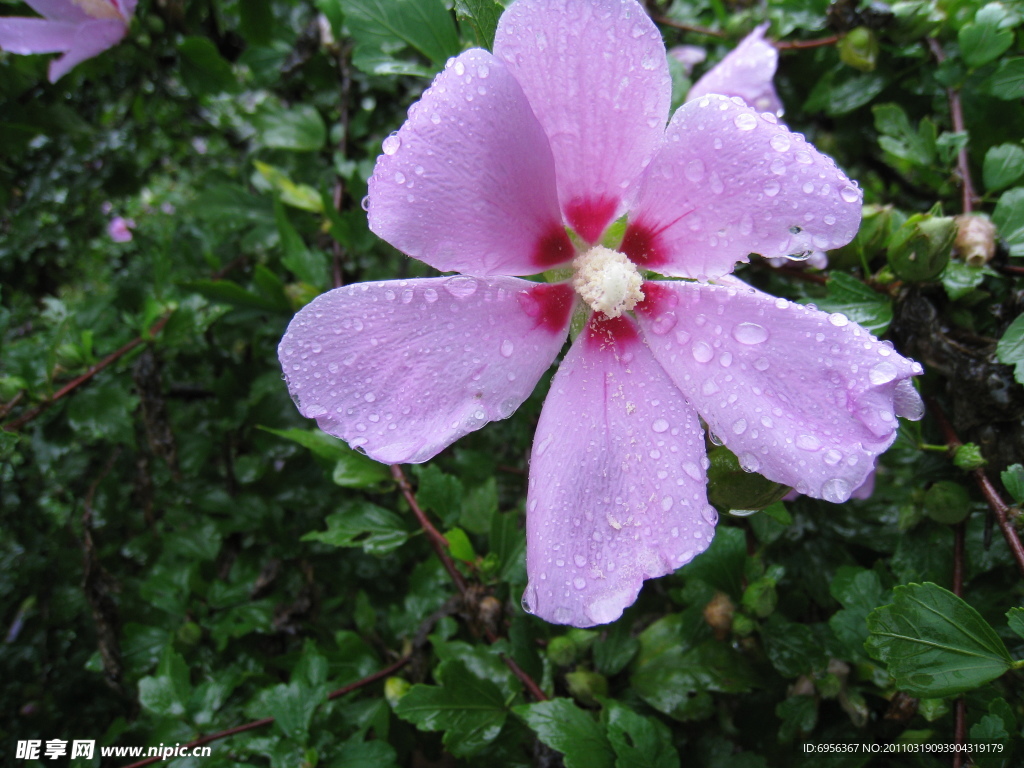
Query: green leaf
x=1007 y=82
x=307 y=264
x=1009 y=220
x=460 y=546
x=987 y=37
x=799 y=715
x=482 y=17
x=1004 y=164
x=203 y=70
x=299 y=129
x=793 y=649
x=960 y=279
x=934 y=643
x=638 y=741
x=166 y=692
x=1013 y=479
x=257 y=21
x=382 y=28
x=231 y=293
x=616 y=649
x=439 y=493
x=562 y=725
x=860 y=591
x=1016 y=618
x=362 y=524
x=469 y=710
x=842 y=90
x=351 y=468
x=721 y=565
x=296 y=195
x=231 y=206
x=1010 y=349
x=851 y=297
x=900 y=139
x=292 y=707
x=508 y=544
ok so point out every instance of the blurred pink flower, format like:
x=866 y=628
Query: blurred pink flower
x=80 y=29
x=564 y=129
x=120 y=229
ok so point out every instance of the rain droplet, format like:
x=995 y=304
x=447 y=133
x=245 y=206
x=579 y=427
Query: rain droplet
x=883 y=373
x=836 y=490
x=750 y=333
x=430 y=295
x=739 y=426
x=749 y=462
x=850 y=194
x=660 y=425
x=460 y=287
x=838 y=319
x=710 y=514
x=780 y=142
x=808 y=442
x=507 y=347
x=778 y=166
x=580 y=561
x=772 y=188
x=702 y=352
x=833 y=457
x=579 y=582
x=695 y=170
x=391 y=144
x=662 y=324
x=745 y=121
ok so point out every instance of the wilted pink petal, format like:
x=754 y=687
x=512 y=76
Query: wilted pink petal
x=471 y=152
x=688 y=55
x=805 y=398
x=402 y=369
x=746 y=72
x=78 y=28
x=120 y=229
x=596 y=75
x=729 y=182
x=617 y=480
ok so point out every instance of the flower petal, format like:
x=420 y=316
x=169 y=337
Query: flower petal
x=91 y=38
x=729 y=182
x=27 y=36
x=402 y=369
x=805 y=398
x=747 y=72
x=617 y=480
x=468 y=183
x=58 y=10
x=596 y=75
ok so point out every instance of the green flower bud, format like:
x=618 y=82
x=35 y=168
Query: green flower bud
x=968 y=456
x=920 y=249
x=859 y=49
x=562 y=651
x=586 y=686
x=189 y=633
x=743 y=625
x=395 y=688
x=947 y=502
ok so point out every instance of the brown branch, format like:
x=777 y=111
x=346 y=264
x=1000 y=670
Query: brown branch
x=956 y=112
x=1009 y=270
x=798 y=45
x=9 y=405
x=665 y=21
x=387 y=671
x=437 y=541
x=71 y=386
x=988 y=490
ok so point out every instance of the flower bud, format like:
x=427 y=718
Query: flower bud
x=968 y=456
x=395 y=688
x=718 y=614
x=919 y=250
x=975 y=238
x=947 y=502
x=859 y=49
x=562 y=651
x=586 y=686
x=760 y=597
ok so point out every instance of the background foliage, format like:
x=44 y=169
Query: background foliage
x=180 y=553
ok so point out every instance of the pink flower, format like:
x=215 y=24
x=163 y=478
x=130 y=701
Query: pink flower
x=120 y=229
x=80 y=29
x=565 y=127
x=747 y=72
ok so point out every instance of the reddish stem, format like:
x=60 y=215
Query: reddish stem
x=956 y=112
x=71 y=386
x=797 y=45
x=386 y=672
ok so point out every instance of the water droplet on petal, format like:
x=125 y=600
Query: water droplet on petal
x=779 y=142
x=695 y=170
x=883 y=373
x=461 y=286
x=771 y=188
x=836 y=490
x=580 y=561
x=838 y=319
x=739 y=426
x=808 y=442
x=750 y=333
x=660 y=425
x=430 y=295
x=749 y=462
x=710 y=514
x=850 y=194
x=702 y=352
x=507 y=347
x=579 y=582
x=391 y=144
x=745 y=121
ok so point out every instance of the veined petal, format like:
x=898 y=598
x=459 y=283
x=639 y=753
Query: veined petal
x=468 y=183
x=596 y=75
x=26 y=36
x=729 y=182
x=747 y=72
x=58 y=10
x=617 y=480
x=402 y=369
x=91 y=38
x=803 y=397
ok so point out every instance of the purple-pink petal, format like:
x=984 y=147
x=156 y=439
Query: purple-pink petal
x=617 y=480
x=468 y=183
x=729 y=182
x=59 y=10
x=746 y=72
x=402 y=369
x=596 y=75
x=806 y=398
x=27 y=36
x=90 y=39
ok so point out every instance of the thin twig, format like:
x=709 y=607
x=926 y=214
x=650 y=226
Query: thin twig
x=988 y=490
x=338 y=251
x=798 y=45
x=9 y=405
x=71 y=386
x=386 y=672
x=956 y=112
x=434 y=536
